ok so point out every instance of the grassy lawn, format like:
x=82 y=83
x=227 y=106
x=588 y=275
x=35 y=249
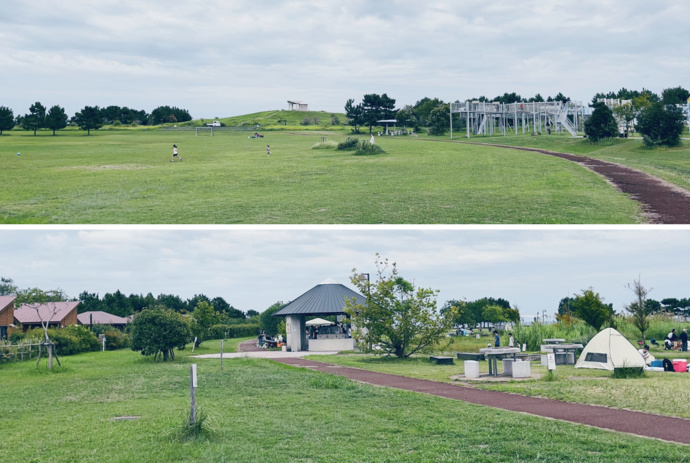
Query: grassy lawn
x=124 y=176
x=671 y=164
x=657 y=392
x=262 y=411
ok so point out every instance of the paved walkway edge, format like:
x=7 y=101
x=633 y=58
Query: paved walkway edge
x=665 y=428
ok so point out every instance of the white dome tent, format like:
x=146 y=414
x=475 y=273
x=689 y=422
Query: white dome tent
x=609 y=350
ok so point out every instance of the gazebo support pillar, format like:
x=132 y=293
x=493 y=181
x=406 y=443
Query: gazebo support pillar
x=296 y=333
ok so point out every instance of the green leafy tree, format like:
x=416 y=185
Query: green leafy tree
x=661 y=125
x=7 y=286
x=203 y=318
x=439 y=120
x=377 y=107
x=625 y=113
x=676 y=95
x=159 y=331
x=6 y=119
x=33 y=295
x=89 y=302
x=423 y=109
x=512 y=314
x=56 y=118
x=354 y=114
x=638 y=307
x=407 y=118
x=117 y=304
x=601 y=124
x=463 y=314
x=397 y=318
x=89 y=119
x=268 y=321
x=36 y=119
x=590 y=308
x=493 y=314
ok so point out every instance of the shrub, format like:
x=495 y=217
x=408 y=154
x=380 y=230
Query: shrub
x=601 y=124
x=349 y=144
x=326 y=145
x=234 y=331
x=623 y=373
x=16 y=337
x=115 y=339
x=73 y=340
x=661 y=125
x=364 y=147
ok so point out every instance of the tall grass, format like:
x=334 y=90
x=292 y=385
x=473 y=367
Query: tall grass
x=534 y=335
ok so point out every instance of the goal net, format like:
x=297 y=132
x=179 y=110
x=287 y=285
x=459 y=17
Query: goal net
x=204 y=131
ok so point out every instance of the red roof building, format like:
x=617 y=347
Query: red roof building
x=6 y=316
x=59 y=313
x=99 y=317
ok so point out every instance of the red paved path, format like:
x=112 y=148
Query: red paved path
x=641 y=424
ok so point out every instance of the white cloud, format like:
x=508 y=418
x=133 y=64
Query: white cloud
x=326 y=52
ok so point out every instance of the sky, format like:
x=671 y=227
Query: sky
x=253 y=268
x=219 y=58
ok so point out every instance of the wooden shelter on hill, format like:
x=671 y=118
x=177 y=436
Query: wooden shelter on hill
x=323 y=300
x=60 y=314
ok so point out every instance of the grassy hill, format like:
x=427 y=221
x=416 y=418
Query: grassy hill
x=280 y=118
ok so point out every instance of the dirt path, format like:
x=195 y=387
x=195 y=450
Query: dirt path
x=249 y=346
x=662 y=202
x=638 y=423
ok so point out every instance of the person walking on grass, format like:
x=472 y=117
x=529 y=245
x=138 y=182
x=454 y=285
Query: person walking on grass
x=497 y=339
x=175 y=154
x=268 y=150
x=684 y=340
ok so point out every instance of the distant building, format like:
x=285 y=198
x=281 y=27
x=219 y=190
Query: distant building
x=65 y=314
x=99 y=317
x=297 y=106
x=6 y=316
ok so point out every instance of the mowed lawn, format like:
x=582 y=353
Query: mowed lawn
x=262 y=411
x=670 y=164
x=125 y=176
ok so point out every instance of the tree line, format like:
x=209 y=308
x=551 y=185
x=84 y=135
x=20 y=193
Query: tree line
x=89 y=118
x=433 y=112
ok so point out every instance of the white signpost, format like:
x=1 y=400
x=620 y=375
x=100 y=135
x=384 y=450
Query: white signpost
x=192 y=393
x=551 y=361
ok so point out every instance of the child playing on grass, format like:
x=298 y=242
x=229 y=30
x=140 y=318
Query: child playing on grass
x=175 y=154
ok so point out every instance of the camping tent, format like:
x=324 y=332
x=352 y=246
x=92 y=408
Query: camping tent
x=608 y=350
x=318 y=322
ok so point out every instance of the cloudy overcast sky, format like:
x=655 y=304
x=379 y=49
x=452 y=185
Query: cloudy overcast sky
x=230 y=57
x=252 y=269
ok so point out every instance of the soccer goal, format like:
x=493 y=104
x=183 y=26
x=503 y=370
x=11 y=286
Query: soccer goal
x=204 y=131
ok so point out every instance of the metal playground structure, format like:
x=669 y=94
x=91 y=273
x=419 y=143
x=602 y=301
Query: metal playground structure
x=490 y=118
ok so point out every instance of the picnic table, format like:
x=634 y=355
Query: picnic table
x=553 y=340
x=492 y=355
x=563 y=350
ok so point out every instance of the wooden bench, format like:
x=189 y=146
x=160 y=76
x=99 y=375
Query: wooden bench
x=442 y=360
x=470 y=356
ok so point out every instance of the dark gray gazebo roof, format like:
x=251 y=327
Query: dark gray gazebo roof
x=327 y=298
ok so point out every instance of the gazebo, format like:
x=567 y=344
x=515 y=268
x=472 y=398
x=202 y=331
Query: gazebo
x=325 y=299
x=388 y=121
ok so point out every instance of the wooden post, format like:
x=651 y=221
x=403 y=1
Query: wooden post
x=192 y=394
x=221 y=355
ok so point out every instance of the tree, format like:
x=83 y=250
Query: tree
x=638 y=307
x=676 y=95
x=35 y=298
x=165 y=114
x=7 y=287
x=56 y=119
x=493 y=314
x=661 y=125
x=159 y=331
x=439 y=121
x=463 y=315
x=268 y=321
x=590 y=308
x=397 y=318
x=89 y=302
x=423 y=108
x=222 y=306
x=252 y=313
x=6 y=119
x=377 y=107
x=89 y=119
x=203 y=318
x=354 y=114
x=117 y=304
x=626 y=113
x=601 y=124
x=407 y=118
x=36 y=118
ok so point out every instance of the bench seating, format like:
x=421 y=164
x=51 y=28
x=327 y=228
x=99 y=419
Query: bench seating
x=470 y=356
x=442 y=360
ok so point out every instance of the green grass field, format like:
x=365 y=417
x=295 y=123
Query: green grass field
x=262 y=411
x=125 y=177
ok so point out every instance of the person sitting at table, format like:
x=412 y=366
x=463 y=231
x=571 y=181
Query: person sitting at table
x=497 y=339
x=644 y=352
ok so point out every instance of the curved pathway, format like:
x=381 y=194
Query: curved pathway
x=642 y=424
x=662 y=202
